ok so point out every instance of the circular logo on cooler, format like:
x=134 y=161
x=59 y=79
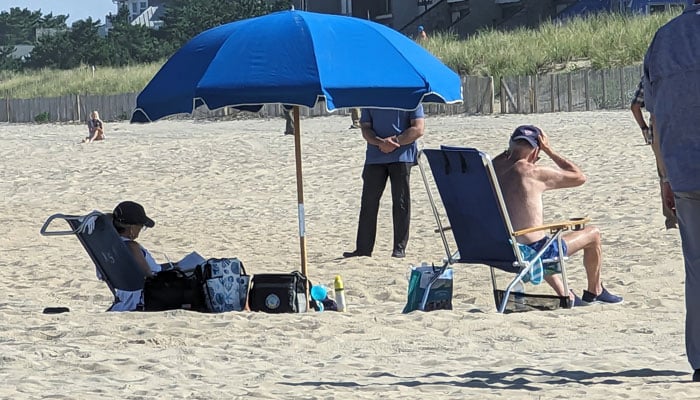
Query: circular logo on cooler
x=272 y=301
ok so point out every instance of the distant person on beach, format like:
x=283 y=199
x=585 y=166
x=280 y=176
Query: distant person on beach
x=95 y=128
x=671 y=82
x=355 y=114
x=421 y=36
x=523 y=182
x=289 y=121
x=648 y=134
x=391 y=152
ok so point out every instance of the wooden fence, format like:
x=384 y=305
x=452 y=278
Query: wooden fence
x=575 y=91
x=584 y=90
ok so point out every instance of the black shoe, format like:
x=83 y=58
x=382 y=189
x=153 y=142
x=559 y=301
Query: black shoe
x=398 y=253
x=696 y=375
x=356 y=253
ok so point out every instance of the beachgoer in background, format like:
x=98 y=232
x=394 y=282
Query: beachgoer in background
x=671 y=79
x=355 y=114
x=523 y=182
x=421 y=36
x=648 y=134
x=95 y=128
x=289 y=125
x=636 y=107
x=391 y=152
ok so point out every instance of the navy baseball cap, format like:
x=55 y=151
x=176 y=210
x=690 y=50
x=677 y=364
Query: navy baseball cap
x=530 y=133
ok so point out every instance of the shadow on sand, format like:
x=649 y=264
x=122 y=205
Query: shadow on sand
x=516 y=379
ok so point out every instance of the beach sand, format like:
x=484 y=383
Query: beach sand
x=228 y=189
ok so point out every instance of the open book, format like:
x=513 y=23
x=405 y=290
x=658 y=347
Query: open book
x=190 y=261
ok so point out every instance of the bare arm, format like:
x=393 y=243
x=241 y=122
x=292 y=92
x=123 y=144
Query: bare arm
x=666 y=191
x=568 y=174
x=413 y=133
x=656 y=147
x=138 y=256
x=638 y=116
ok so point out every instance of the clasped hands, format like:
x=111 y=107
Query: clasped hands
x=387 y=145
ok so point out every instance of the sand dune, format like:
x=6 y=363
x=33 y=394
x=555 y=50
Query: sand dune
x=227 y=189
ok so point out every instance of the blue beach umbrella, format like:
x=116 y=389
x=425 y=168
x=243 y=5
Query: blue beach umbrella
x=297 y=58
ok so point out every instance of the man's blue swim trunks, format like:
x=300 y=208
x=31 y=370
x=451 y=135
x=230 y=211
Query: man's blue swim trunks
x=553 y=249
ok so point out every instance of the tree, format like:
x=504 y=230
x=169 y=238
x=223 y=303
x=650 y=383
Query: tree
x=128 y=44
x=18 y=26
x=185 y=19
x=64 y=50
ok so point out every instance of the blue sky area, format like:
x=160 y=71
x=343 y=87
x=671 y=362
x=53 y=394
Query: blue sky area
x=77 y=9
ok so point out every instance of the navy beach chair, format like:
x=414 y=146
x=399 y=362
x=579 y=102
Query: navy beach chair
x=479 y=221
x=113 y=261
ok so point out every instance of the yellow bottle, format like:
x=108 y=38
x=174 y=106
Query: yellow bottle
x=340 y=293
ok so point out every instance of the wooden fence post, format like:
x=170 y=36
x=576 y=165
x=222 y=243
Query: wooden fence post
x=569 y=94
x=491 y=95
x=77 y=106
x=504 y=100
x=551 y=92
x=602 y=79
x=533 y=99
x=622 y=87
x=585 y=89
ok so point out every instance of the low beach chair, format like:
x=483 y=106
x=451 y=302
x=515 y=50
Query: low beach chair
x=479 y=222
x=113 y=261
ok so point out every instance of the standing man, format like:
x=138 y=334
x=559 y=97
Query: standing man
x=355 y=114
x=289 y=121
x=672 y=87
x=391 y=152
x=648 y=133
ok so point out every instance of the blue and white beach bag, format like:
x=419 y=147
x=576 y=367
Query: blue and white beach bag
x=225 y=284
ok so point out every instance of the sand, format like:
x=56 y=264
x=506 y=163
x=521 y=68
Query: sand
x=228 y=189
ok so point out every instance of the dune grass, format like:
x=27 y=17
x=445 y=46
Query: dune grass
x=50 y=83
x=603 y=41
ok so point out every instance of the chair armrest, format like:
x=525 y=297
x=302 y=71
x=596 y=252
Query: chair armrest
x=575 y=224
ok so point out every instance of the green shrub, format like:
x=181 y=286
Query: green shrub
x=42 y=118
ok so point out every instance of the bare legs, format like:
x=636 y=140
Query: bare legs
x=589 y=240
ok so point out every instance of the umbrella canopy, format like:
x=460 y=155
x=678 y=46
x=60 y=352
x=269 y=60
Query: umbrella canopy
x=296 y=58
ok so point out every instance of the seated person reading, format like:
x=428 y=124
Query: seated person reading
x=523 y=182
x=129 y=219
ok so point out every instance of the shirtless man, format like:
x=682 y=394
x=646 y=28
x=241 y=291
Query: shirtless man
x=522 y=183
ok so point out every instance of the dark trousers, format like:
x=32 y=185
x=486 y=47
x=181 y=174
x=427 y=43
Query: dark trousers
x=374 y=178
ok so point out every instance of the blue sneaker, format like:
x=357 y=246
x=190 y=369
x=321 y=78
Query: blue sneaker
x=577 y=300
x=605 y=297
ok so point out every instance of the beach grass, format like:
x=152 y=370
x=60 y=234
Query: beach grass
x=599 y=41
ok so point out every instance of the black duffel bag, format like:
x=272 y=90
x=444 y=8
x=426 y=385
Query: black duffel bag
x=173 y=289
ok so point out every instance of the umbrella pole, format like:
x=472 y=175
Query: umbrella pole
x=300 y=190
